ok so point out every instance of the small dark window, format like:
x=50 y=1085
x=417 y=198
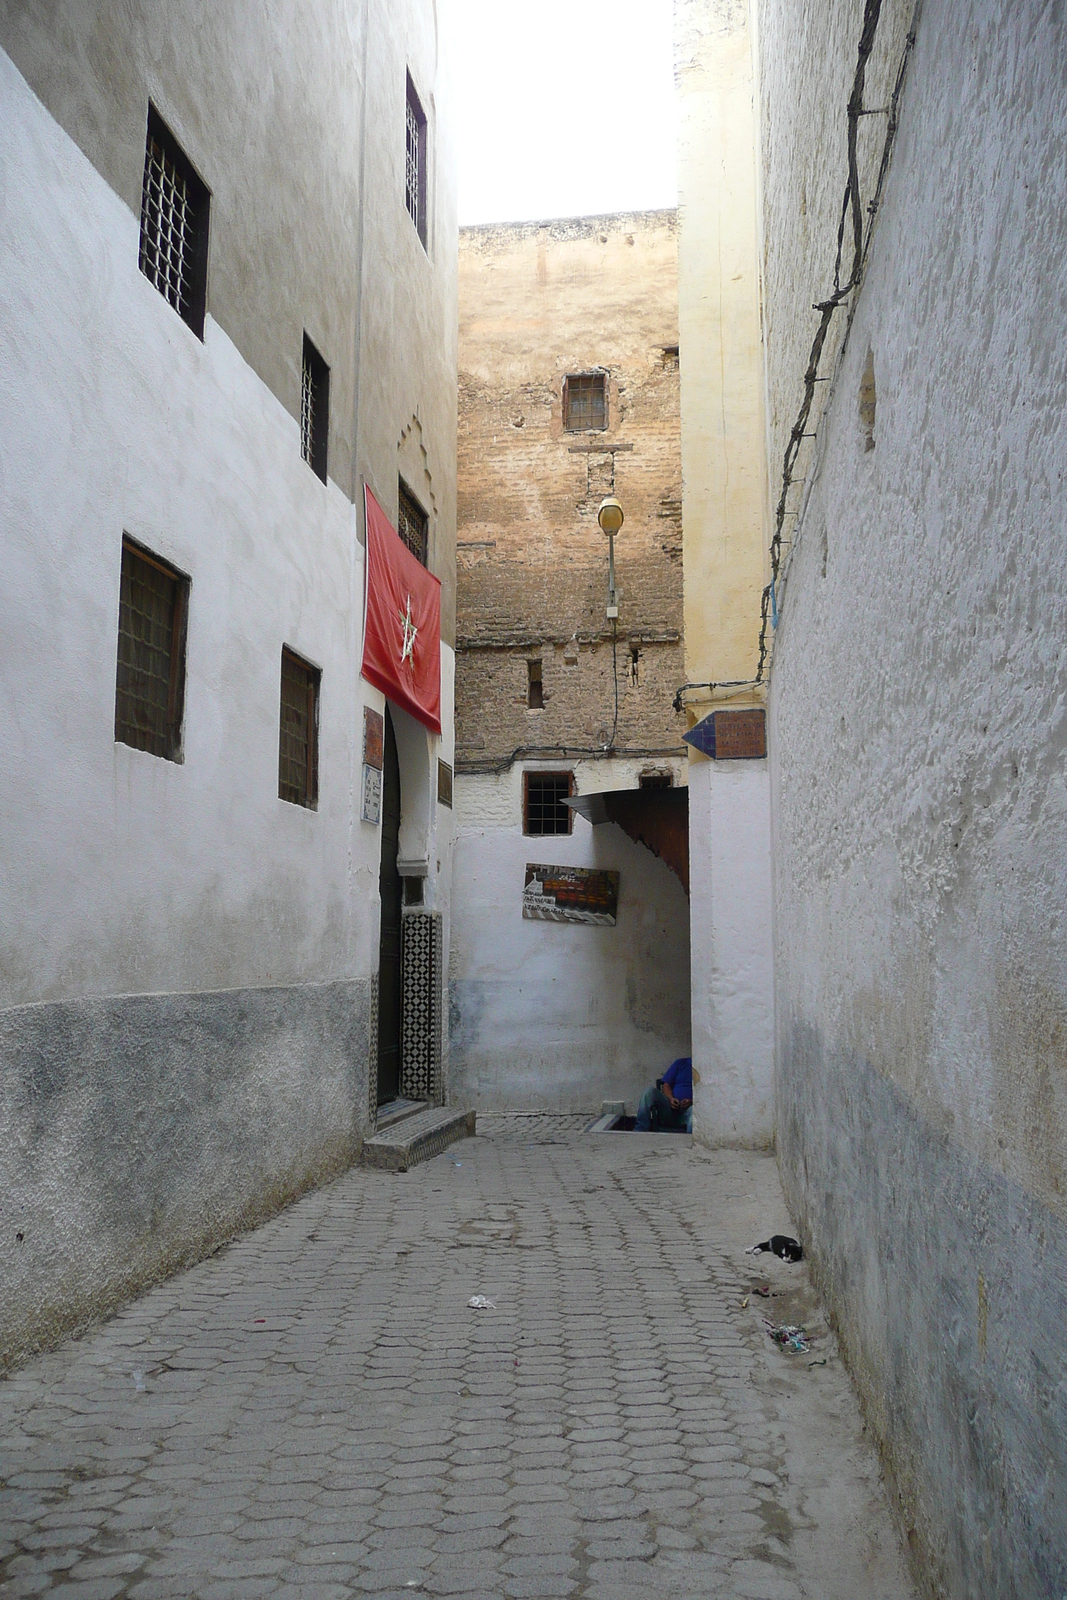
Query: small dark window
x=669 y=357
x=412 y=523
x=535 y=693
x=314 y=409
x=585 y=402
x=413 y=891
x=174 y=223
x=415 y=162
x=150 y=681
x=544 y=794
x=298 y=744
x=655 y=780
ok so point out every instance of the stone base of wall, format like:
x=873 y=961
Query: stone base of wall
x=138 y=1133
x=948 y=1283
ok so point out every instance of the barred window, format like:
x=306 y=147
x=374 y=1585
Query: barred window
x=298 y=742
x=412 y=523
x=150 y=680
x=314 y=409
x=585 y=403
x=415 y=161
x=174 y=225
x=543 y=809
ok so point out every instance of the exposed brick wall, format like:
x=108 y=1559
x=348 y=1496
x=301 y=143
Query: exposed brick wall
x=539 y=301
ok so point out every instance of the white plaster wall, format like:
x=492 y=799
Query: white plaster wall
x=125 y=873
x=919 y=702
x=553 y=1016
x=732 y=959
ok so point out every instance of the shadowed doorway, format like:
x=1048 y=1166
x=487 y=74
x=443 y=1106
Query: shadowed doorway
x=390 y=887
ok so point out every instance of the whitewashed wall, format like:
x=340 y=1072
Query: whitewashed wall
x=554 y=1016
x=732 y=966
x=920 y=793
x=185 y=959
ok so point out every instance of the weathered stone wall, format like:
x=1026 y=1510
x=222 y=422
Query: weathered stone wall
x=545 y=1015
x=918 y=737
x=539 y=301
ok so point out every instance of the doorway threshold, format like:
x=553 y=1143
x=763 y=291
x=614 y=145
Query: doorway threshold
x=395 y=1111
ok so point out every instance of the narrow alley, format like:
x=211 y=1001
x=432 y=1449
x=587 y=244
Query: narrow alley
x=317 y=1410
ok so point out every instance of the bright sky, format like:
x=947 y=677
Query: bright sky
x=563 y=108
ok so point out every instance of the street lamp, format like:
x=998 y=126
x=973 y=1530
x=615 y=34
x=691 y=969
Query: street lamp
x=610 y=517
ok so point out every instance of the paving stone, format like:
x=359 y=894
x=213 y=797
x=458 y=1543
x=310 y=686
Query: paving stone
x=612 y=1428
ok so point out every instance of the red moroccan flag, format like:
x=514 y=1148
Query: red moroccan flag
x=401 y=622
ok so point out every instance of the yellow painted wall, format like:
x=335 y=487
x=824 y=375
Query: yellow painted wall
x=723 y=433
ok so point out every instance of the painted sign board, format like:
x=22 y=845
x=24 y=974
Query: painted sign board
x=571 y=894
x=444 y=784
x=373 y=738
x=731 y=735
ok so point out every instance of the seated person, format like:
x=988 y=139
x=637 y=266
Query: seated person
x=668 y=1106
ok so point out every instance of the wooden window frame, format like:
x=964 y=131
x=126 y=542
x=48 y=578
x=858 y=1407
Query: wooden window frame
x=313 y=675
x=131 y=549
x=584 y=377
x=540 y=833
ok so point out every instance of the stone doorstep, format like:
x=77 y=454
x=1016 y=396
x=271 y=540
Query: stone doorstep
x=397 y=1111
x=416 y=1138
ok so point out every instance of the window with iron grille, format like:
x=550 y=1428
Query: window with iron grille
x=415 y=162
x=412 y=523
x=543 y=808
x=585 y=402
x=174 y=225
x=150 y=680
x=314 y=409
x=298 y=743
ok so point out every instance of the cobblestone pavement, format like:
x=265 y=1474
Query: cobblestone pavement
x=316 y=1412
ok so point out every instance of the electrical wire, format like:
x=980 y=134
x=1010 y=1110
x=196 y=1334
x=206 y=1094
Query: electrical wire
x=852 y=206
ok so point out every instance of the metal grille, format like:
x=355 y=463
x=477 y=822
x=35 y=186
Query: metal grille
x=148 y=681
x=544 y=809
x=584 y=402
x=314 y=408
x=412 y=165
x=173 y=222
x=420 y=1046
x=412 y=523
x=307 y=408
x=298 y=739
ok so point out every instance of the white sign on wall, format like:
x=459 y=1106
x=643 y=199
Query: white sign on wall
x=372 y=794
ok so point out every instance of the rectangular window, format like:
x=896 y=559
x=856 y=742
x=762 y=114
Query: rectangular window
x=174 y=225
x=150 y=681
x=585 y=402
x=655 y=780
x=412 y=523
x=543 y=808
x=535 y=692
x=314 y=409
x=298 y=745
x=415 y=162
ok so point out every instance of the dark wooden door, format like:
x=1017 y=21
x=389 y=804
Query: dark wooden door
x=390 y=888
